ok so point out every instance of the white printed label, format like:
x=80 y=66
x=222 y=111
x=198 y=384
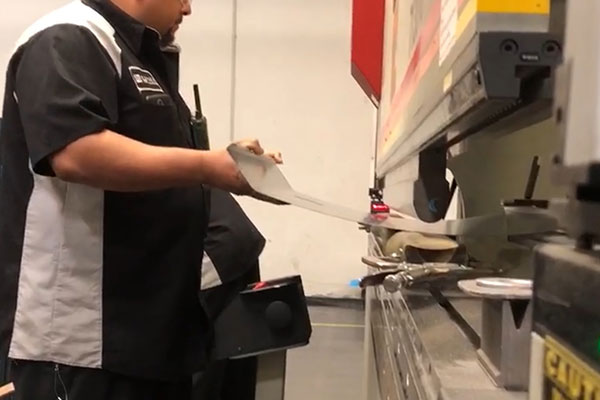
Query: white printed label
x=448 y=22
x=144 y=80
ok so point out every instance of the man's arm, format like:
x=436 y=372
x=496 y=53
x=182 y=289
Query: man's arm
x=68 y=101
x=111 y=161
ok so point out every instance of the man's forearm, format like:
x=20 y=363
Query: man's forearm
x=114 y=162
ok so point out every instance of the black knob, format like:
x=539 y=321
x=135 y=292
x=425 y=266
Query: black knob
x=279 y=315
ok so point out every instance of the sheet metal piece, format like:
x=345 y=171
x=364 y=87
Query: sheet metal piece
x=267 y=180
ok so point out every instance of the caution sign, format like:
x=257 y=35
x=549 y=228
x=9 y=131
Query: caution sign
x=566 y=376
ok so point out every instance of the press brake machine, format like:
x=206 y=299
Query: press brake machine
x=482 y=264
x=469 y=144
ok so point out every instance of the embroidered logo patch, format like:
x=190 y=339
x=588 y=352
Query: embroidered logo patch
x=144 y=80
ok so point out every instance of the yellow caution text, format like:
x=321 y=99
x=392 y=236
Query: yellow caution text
x=571 y=378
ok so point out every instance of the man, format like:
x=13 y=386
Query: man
x=102 y=207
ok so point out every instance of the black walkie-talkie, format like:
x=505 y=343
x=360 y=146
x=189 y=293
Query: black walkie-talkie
x=199 y=124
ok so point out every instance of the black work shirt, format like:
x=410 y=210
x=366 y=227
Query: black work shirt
x=88 y=277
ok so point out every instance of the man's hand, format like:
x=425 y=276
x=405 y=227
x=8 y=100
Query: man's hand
x=253 y=145
x=227 y=176
x=275 y=156
x=224 y=174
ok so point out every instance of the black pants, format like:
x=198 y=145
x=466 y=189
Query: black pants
x=47 y=381
x=226 y=380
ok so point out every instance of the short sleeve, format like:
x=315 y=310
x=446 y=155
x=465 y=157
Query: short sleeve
x=66 y=86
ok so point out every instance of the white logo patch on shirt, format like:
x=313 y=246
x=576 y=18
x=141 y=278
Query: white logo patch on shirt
x=144 y=80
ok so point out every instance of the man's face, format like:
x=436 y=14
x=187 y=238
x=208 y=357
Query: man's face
x=165 y=16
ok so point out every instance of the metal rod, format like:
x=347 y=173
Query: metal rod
x=533 y=176
x=270 y=376
x=233 y=93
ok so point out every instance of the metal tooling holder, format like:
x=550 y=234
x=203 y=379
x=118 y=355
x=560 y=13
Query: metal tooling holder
x=506 y=329
x=565 y=341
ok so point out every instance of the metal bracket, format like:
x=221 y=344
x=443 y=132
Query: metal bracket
x=270 y=376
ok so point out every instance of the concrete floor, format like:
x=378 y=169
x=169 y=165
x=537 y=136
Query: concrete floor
x=331 y=366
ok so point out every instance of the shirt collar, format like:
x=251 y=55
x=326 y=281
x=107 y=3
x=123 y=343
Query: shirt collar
x=133 y=32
